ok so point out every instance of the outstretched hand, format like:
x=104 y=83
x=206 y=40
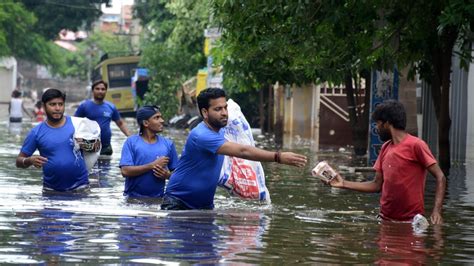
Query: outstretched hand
x=294 y=159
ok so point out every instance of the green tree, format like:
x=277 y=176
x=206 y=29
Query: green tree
x=53 y=16
x=304 y=41
x=172 y=46
x=17 y=37
x=298 y=42
x=428 y=34
x=26 y=28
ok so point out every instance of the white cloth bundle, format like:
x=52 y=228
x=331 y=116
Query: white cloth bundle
x=89 y=130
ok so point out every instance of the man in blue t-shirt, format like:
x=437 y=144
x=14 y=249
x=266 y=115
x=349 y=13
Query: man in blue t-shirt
x=193 y=183
x=103 y=112
x=147 y=157
x=64 y=168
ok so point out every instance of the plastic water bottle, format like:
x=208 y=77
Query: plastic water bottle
x=419 y=223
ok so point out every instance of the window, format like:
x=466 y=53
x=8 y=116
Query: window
x=120 y=75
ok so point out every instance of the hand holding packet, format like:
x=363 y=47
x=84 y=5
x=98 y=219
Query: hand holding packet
x=324 y=171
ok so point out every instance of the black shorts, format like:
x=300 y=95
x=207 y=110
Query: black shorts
x=172 y=203
x=15 y=119
x=106 y=150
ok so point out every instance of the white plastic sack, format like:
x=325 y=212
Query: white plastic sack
x=86 y=129
x=243 y=178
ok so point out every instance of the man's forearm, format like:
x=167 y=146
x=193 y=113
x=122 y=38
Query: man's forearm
x=369 y=186
x=136 y=170
x=255 y=154
x=439 y=195
x=124 y=129
x=440 y=186
x=23 y=162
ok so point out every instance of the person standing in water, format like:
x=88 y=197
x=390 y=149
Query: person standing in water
x=64 y=168
x=16 y=107
x=147 y=157
x=193 y=183
x=401 y=169
x=103 y=112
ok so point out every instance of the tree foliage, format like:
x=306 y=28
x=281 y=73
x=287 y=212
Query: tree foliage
x=28 y=26
x=295 y=41
x=55 y=15
x=427 y=44
x=172 y=46
x=80 y=63
x=17 y=37
x=307 y=41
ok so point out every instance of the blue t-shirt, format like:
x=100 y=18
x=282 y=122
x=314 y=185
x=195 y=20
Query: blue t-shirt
x=103 y=114
x=194 y=180
x=65 y=169
x=136 y=151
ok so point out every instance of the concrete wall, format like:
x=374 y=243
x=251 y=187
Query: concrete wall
x=36 y=78
x=299 y=115
x=8 y=75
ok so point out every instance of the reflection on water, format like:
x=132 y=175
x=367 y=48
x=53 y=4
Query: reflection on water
x=399 y=244
x=307 y=221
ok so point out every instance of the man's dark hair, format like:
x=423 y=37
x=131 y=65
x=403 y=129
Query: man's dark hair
x=99 y=82
x=52 y=94
x=16 y=94
x=206 y=95
x=391 y=111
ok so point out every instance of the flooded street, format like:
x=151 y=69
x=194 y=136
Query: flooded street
x=307 y=221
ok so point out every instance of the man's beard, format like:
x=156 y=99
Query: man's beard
x=384 y=135
x=99 y=99
x=54 y=120
x=216 y=123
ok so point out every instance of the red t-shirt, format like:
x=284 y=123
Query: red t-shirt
x=403 y=167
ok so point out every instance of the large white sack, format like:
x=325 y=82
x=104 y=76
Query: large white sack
x=243 y=178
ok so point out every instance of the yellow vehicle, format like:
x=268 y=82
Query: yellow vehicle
x=118 y=73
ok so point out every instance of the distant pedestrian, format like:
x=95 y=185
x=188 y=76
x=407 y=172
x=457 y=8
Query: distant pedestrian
x=16 y=107
x=103 y=112
x=39 y=112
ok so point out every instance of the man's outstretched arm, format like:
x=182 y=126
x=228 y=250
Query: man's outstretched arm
x=372 y=186
x=255 y=154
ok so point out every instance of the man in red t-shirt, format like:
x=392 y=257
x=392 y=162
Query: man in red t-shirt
x=401 y=169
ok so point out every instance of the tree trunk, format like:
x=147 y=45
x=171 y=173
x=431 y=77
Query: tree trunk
x=278 y=118
x=359 y=133
x=261 y=109
x=444 y=120
x=441 y=82
x=364 y=116
x=271 y=124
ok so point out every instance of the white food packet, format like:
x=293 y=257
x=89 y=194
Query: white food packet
x=324 y=171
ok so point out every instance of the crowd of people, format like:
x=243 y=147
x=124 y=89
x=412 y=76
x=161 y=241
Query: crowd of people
x=150 y=165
